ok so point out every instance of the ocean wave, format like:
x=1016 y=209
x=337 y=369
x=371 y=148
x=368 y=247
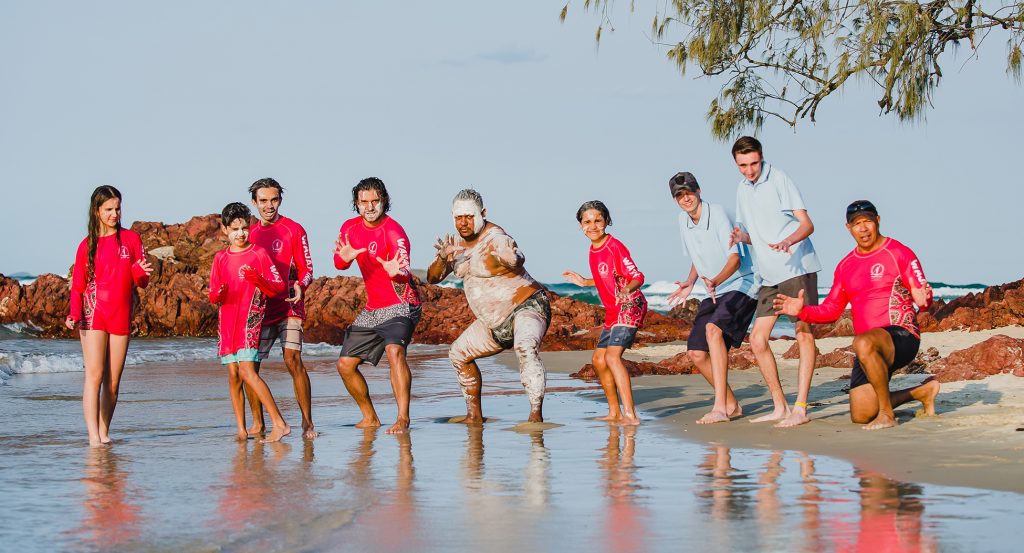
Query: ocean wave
x=18 y=330
x=38 y=356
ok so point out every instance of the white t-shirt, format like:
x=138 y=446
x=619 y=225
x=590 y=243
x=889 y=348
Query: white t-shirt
x=706 y=243
x=765 y=210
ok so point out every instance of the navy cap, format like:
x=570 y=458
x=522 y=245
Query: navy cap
x=860 y=207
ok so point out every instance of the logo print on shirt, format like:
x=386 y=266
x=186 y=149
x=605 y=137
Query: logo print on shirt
x=242 y=270
x=372 y=248
x=123 y=252
x=277 y=246
x=602 y=268
x=877 y=270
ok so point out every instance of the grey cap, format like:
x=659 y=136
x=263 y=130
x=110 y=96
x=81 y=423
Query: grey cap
x=682 y=181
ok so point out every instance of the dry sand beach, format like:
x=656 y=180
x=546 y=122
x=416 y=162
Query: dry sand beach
x=977 y=439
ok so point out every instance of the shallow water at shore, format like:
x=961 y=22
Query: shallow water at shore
x=176 y=480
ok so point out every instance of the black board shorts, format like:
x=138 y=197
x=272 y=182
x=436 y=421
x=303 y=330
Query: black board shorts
x=368 y=342
x=731 y=312
x=906 y=345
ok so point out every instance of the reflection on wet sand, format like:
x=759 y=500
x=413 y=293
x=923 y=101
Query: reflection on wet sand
x=890 y=518
x=490 y=499
x=250 y=496
x=890 y=511
x=624 y=528
x=111 y=518
x=391 y=522
x=810 y=503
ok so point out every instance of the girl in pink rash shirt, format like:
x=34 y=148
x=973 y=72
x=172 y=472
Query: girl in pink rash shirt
x=618 y=283
x=109 y=264
x=241 y=279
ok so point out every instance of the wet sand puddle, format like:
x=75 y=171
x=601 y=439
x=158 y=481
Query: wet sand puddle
x=175 y=479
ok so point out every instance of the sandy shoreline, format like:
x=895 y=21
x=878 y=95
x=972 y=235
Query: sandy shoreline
x=974 y=442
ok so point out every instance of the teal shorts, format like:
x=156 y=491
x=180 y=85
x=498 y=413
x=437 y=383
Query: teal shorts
x=250 y=354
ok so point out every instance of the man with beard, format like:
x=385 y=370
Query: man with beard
x=385 y=325
x=512 y=309
x=288 y=246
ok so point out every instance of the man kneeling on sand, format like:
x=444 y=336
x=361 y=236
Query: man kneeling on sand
x=882 y=280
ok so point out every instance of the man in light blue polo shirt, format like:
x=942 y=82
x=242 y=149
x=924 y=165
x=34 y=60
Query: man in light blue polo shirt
x=772 y=218
x=723 y=317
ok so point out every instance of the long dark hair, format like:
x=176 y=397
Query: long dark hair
x=99 y=196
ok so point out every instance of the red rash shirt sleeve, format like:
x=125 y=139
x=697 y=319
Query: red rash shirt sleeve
x=833 y=306
x=78 y=280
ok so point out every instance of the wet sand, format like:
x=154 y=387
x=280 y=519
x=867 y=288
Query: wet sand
x=175 y=479
x=977 y=439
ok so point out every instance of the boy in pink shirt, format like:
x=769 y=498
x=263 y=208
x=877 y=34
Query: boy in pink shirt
x=883 y=282
x=618 y=283
x=241 y=279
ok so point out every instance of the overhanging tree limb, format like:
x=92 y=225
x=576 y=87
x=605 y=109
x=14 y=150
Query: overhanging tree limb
x=808 y=49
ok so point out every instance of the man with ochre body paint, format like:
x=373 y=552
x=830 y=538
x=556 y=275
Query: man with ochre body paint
x=512 y=309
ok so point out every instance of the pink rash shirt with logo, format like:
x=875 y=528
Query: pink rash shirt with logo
x=288 y=246
x=105 y=301
x=386 y=241
x=242 y=303
x=613 y=268
x=877 y=286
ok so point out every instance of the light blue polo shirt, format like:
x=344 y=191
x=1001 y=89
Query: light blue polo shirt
x=765 y=210
x=706 y=243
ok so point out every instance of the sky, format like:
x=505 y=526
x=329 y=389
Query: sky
x=183 y=105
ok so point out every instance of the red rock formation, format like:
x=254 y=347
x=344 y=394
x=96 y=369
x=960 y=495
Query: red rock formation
x=634 y=368
x=841 y=357
x=994 y=307
x=999 y=354
x=842 y=327
x=175 y=303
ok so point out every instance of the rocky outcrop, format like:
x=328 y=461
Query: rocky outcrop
x=43 y=305
x=842 y=327
x=997 y=355
x=175 y=302
x=994 y=307
x=635 y=368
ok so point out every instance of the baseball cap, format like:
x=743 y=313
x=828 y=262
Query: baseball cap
x=860 y=207
x=682 y=181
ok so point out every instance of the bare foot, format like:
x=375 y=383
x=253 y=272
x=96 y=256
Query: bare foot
x=95 y=442
x=796 y=417
x=926 y=394
x=737 y=411
x=610 y=417
x=880 y=422
x=776 y=415
x=401 y=426
x=535 y=416
x=256 y=430
x=105 y=439
x=242 y=436
x=309 y=433
x=630 y=420
x=368 y=423
x=279 y=432
x=713 y=417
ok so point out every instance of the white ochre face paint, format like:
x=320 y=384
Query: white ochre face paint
x=469 y=207
x=239 y=235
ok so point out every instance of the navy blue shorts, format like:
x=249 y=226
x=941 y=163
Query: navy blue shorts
x=618 y=335
x=732 y=312
x=906 y=345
